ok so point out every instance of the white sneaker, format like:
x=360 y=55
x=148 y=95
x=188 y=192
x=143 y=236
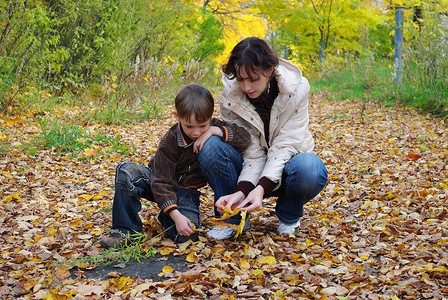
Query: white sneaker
x=288 y=228
x=224 y=233
x=221 y=233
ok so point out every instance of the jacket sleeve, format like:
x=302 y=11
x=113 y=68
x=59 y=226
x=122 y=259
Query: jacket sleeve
x=163 y=176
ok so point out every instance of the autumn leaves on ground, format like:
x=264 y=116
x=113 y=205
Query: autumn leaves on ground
x=377 y=231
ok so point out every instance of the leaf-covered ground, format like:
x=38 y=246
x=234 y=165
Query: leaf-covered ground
x=377 y=231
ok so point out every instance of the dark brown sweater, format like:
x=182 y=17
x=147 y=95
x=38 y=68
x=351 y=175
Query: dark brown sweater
x=175 y=164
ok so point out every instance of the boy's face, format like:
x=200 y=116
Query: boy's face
x=192 y=128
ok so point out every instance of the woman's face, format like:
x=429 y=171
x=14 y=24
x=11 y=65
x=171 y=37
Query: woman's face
x=253 y=85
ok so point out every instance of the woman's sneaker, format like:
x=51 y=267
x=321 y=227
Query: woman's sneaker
x=288 y=228
x=224 y=233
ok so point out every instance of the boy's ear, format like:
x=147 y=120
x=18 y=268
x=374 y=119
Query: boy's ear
x=176 y=115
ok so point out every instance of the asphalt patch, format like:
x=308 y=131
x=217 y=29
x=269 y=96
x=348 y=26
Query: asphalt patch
x=148 y=268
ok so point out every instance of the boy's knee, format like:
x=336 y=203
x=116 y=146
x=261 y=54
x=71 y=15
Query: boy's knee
x=129 y=172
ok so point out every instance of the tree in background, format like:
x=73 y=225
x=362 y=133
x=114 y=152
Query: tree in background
x=239 y=19
x=312 y=31
x=69 y=44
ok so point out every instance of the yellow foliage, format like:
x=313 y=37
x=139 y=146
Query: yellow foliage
x=244 y=264
x=166 y=250
x=268 y=260
x=239 y=21
x=257 y=272
x=192 y=257
x=167 y=269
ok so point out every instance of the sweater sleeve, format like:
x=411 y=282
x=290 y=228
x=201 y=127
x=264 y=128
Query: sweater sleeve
x=163 y=176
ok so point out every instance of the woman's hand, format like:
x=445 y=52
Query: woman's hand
x=231 y=201
x=255 y=198
x=183 y=225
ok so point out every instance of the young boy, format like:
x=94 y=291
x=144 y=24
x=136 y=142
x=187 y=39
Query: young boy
x=173 y=175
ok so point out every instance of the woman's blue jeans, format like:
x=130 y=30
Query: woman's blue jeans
x=132 y=182
x=304 y=176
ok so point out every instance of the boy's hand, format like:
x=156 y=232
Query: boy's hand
x=183 y=225
x=212 y=130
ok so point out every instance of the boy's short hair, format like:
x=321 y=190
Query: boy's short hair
x=194 y=100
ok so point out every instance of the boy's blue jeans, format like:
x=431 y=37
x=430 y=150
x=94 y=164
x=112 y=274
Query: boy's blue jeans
x=132 y=182
x=304 y=176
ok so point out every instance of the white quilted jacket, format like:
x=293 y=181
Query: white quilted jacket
x=289 y=133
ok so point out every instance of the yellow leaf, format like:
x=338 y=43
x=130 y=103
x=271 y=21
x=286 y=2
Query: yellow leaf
x=394 y=297
x=114 y=274
x=166 y=250
x=52 y=231
x=240 y=227
x=88 y=197
x=228 y=212
x=96 y=231
x=102 y=193
x=4 y=23
x=268 y=260
x=91 y=152
x=192 y=257
x=167 y=269
x=244 y=264
x=2 y=137
x=99 y=195
x=75 y=223
x=62 y=272
x=257 y=272
x=122 y=283
x=14 y=196
x=29 y=284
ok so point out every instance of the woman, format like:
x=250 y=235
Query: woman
x=269 y=97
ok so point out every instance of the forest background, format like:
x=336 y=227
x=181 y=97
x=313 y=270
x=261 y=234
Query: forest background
x=124 y=59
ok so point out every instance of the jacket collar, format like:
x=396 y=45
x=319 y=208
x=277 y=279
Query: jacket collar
x=182 y=139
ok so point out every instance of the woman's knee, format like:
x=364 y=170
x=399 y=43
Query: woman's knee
x=212 y=149
x=308 y=169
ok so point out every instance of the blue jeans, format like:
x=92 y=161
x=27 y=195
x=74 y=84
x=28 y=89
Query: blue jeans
x=132 y=182
x=304 y=176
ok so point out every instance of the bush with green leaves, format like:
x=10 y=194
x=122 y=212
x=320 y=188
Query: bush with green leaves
x=425 y=72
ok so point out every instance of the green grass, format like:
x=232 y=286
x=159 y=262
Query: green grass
x=137 y=250
x=70 y=138
x=373 y=81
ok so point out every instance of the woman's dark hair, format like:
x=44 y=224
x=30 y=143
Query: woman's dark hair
x=253 y=55
x=194 y=100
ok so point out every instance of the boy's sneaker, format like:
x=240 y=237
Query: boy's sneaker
x=224 y=233
x=111 y=241
x=288 y=228
x=116 y=239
